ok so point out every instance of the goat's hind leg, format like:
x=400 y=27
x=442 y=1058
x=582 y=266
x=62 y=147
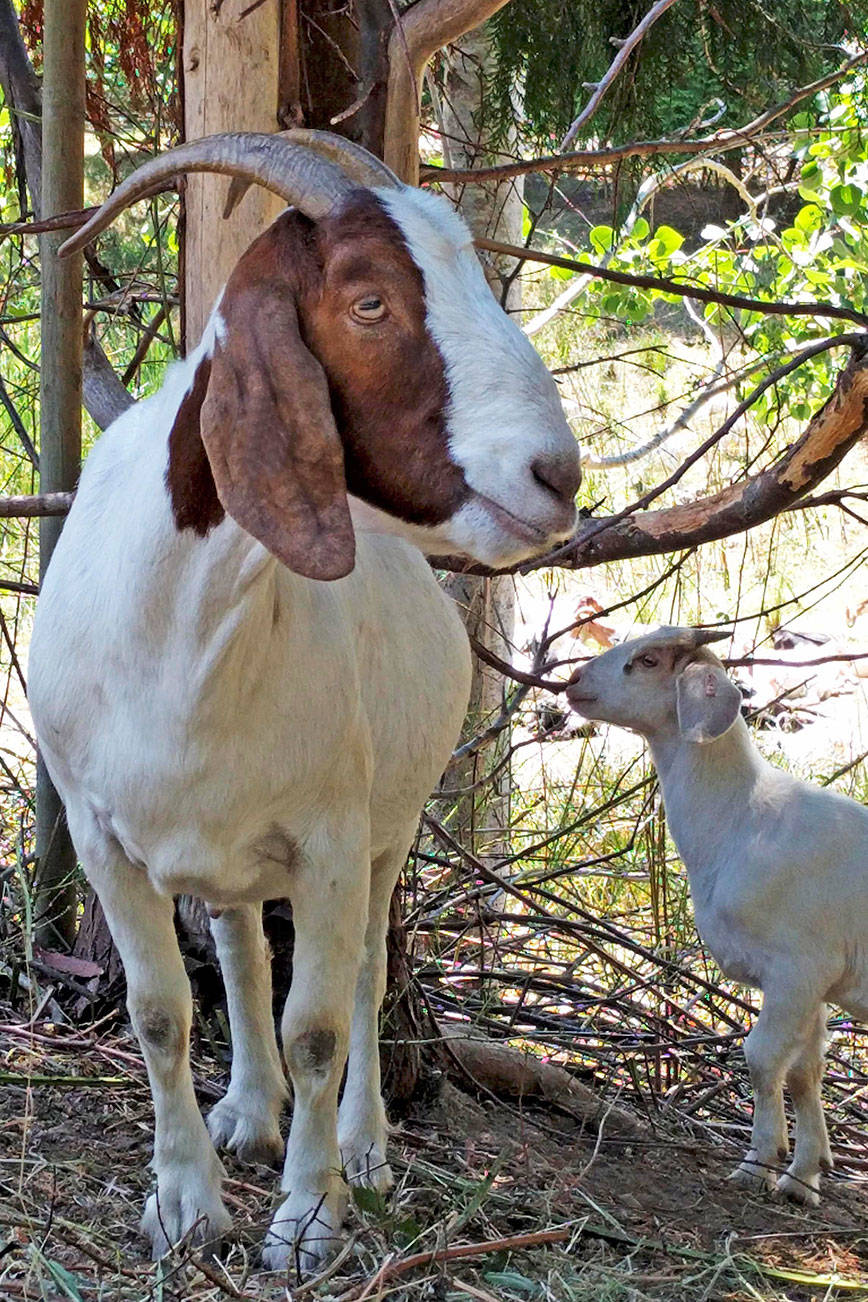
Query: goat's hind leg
x=812 y=1155
x=247 y=1118
x=771 y=1047
x=187 y=1198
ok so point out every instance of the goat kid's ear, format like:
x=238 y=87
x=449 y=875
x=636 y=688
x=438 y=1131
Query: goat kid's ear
x=267 y=424
x=707 y=702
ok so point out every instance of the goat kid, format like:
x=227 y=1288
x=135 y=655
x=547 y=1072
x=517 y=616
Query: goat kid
x=222 y=721
x=778 y=872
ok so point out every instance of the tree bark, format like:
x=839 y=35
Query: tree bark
x=59 y=400
x=231 y=83
x=481 y=817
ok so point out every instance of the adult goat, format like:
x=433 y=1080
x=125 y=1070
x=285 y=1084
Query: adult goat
x=244 y=677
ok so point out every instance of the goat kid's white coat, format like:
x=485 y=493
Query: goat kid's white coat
x=778 y=873
x=219 y=725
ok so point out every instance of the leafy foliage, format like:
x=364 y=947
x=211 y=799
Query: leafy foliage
x=744 y=53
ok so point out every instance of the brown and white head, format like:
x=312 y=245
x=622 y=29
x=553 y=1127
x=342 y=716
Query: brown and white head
x=358 y=366
x=663 y=682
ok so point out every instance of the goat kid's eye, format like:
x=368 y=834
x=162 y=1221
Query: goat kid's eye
x=369 y=309
x=650 y=662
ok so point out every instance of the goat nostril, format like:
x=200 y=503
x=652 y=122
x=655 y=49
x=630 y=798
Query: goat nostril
x=559 y=475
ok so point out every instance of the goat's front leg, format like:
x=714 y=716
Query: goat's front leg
x=362 y=1126
x=801 y=1181
x=770 y=1048
x=187 y=1198
x=329 y=909
x=247 y=1118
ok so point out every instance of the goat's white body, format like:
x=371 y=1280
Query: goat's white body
x=778 y=874
x=220 y=726
x=196 y=708
x=778 y=868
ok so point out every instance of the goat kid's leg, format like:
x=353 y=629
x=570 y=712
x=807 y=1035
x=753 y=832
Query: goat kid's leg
x=362 y=1125
x=247 y=1118
x=188 y=1171
x=812 y=1154
x=329 y=907
x=770 y=1048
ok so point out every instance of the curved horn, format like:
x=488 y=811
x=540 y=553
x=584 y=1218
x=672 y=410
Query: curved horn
x=703 y=635
x=304 y=179
x=357 y=162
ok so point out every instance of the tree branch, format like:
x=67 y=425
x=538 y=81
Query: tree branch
x=829 y=436
x=418 y=33
x=666 y=286
x=627 y=46
x=582 y=159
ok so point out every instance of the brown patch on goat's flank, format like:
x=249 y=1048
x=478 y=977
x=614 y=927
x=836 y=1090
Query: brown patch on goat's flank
x=195 y=504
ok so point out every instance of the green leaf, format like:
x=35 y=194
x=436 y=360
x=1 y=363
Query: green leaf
x=561 y=273
x=846 y=200
x=513 y=1280
x=808 y=219
x=65 y=1280
x=641 y=230
x=602 y=238
x=371 y=1201
x=669 y=238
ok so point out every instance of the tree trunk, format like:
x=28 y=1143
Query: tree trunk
x=231 y=83
x=481 y=817
x=59 y=400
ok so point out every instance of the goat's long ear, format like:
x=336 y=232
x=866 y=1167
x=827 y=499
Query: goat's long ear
x=267 y=424
x=707 y=702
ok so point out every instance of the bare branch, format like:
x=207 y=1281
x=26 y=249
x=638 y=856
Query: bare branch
x=829 y=436
x=626 y=48
x=664 y=285
x=595 y=158
x=419 y=33
x=37 y=505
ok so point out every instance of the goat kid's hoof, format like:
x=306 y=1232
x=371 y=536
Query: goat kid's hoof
x=753 y=1175
x=176 y=1212
x=800 y=1189
x=304 y=1233
x=252 y=1133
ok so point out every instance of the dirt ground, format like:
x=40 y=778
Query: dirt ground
x=652 y=1217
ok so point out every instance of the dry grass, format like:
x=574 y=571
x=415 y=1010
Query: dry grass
x=491 y=1202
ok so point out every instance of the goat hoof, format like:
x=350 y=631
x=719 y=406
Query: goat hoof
x=190 y=1211
x=304 y=1233
x=367 y=1168
x=800 y=1189
x=751 y=1175
x=252 y=1134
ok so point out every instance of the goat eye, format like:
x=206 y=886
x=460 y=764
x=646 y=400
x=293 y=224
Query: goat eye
x=368 y=309
x=650 y=662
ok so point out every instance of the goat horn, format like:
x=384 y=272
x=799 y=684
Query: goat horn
x=311 y=183
x=357 y=162
x=703 y=635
